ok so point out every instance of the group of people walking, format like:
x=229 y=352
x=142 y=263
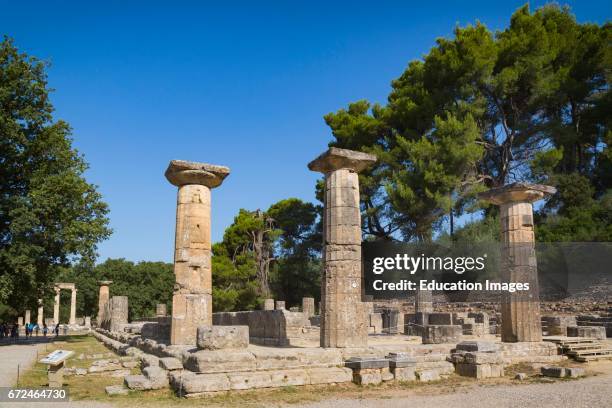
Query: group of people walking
x=12 y=330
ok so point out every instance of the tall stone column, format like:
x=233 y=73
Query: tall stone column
x=103 y=298
x=73 y=307
x=192 y=299
x=27 y=316
x=40 y=317
x=343 y=314
x=423 y=301
x=308 y=307
x=521 y=309
x=56 y=305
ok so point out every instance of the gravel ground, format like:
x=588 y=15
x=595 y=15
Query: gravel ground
x=588 y=392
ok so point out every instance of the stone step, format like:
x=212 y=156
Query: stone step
x=585 y=359
x=193 y=385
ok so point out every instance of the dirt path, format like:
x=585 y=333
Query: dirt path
x=590 y=392
x=12 y=356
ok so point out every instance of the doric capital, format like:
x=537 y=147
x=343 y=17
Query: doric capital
x=517 y=192
x=336 y=159
x=181 y=172
x=105 y=282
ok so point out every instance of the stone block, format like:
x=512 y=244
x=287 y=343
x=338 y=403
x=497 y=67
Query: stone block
x=574 y=372
x=157 y=376
x=205 y=383
x=557 y=372
x=479 y=370
x=170 y=363
x=282 y=378
x=428 y=375
x=214 y=361
x=443 y=319
x=248 y=380
x=137 y=382
x=480 y=346
x=268 y=304
x=329 y=375
x=365 y=376
x=357 y=363
x=404 y=373
x=483 y=358
x=222 y=337
x=593 y=332
x=130 y=364
x=436 y=334
x=149 y=360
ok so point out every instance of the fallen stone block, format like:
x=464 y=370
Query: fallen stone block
x=593 y=332
x=428 y=375
x=404 y=373
x=103 y=368
x=149 y=360
x=137 y=382
x=222 y=337
x=157 y=376
x=116 y=390
x=170 y=363
x=438 y=334
x=574 y=372
x=557 y=372
x=130 y=364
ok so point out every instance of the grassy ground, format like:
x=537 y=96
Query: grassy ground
x=91 y=386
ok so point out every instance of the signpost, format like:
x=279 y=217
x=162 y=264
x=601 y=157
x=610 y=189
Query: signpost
x=55 y=362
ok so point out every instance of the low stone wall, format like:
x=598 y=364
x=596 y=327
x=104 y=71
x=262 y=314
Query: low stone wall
x=271 y=327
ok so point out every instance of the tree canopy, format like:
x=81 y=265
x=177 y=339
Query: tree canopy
x=50 y=216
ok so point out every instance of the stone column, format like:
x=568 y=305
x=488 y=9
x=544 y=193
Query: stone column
x=56 y=305
x=192 y=298
x=269 y=304
x=20 y=321
x=161 y=310
x=103 y=298
x=423 y=301
x=280 y=305
x=343 y=314
x=521 y=309
x=308 y=307
x=40 y=318
x=118 y=312
x=27 y=316
x=73 y=307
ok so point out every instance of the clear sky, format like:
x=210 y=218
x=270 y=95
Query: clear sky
x=241 y=84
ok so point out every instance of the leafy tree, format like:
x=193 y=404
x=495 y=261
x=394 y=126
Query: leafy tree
x=49 y=214
x=482 y=109
x=297 y=270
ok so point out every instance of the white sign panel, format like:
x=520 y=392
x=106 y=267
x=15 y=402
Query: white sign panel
x=56 y=357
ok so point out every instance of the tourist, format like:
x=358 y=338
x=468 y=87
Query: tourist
x=56 y=329
x=36 y=328
x=45 y=329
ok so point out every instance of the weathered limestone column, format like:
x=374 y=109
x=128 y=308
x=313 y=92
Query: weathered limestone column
x=118 y=312
x=269 y=304
x=20 y=321
x=192 y=299
x=161 y=310
x=40 y=318
x=343 y=314
x=56 y=305
x=73 y=307
x=308 y=307
x=520 y=310
x=423 y=301
x=103 y=298
x=280 y=305
x=27 y=316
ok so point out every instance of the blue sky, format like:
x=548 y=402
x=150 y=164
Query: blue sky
x=242 y=84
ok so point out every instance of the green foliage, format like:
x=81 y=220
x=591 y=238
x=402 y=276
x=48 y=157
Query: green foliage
x=481 y=109
x=49 y=215
x=145 y=283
